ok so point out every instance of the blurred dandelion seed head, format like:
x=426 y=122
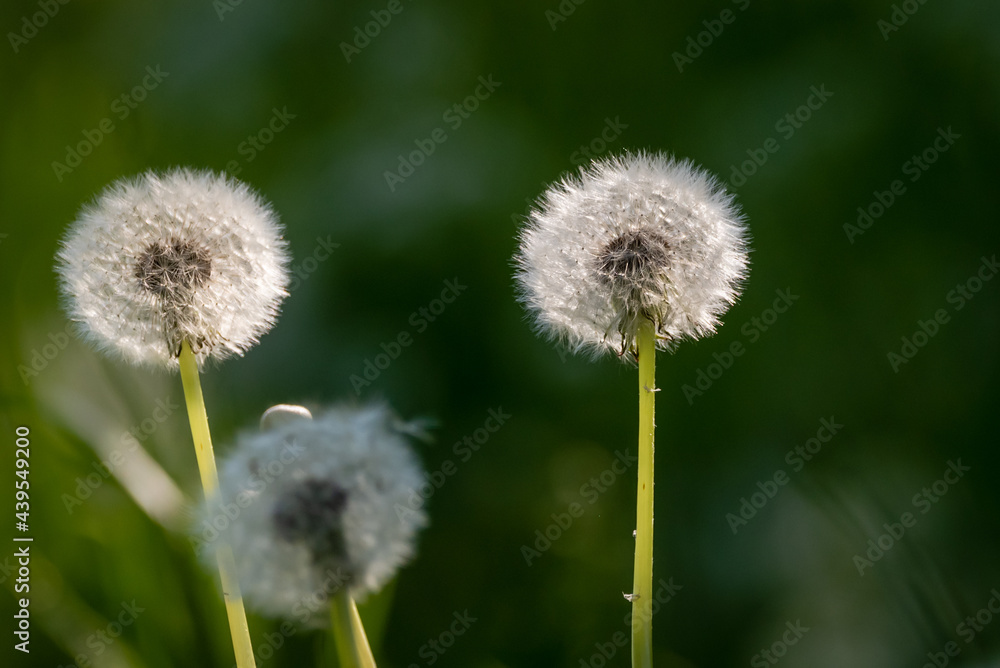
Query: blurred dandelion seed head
x=640 y=236
x=314 y=497
x=162 y=258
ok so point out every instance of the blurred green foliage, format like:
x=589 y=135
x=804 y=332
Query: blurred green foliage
x=562 y=83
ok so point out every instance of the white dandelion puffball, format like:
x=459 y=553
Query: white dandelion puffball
x=162 y=258
x=311 y=505
x=640 y=236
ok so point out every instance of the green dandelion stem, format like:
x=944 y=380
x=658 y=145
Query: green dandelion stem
x=348 y=632
x=642 y=585
x=210 y=482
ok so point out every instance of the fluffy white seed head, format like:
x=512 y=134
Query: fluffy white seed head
x=640 y=236
x=163 y=258
x=320 y=503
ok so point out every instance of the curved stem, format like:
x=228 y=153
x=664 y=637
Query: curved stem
x=210 y=482
x=348 y=632
x=642 y=585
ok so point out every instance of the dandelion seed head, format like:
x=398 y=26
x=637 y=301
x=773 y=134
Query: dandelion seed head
x=634 y=237
x=166 y=257
x=331 y=495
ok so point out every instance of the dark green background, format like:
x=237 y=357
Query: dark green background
x=457 y=217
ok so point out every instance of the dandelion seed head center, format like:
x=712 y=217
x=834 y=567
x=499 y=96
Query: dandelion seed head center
x=633 y=259
x=312 y=512
x=166 y=268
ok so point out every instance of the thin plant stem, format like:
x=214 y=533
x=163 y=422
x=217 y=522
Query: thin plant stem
x=642 y=585
x=348 y=632
x=210 y=482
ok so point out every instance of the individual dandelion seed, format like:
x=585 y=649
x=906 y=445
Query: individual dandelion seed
x=318 y=503
x=635 y=253
x=161 y=259
x=171 y=270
